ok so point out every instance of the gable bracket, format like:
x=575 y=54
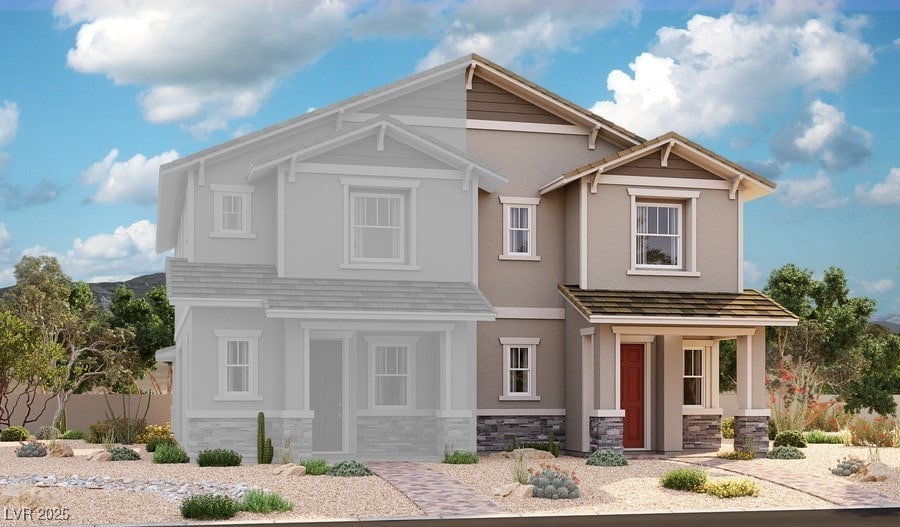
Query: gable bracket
x=380 y=145
x=292 y=173
x=592 y=139
x=340 y=121
x=664 y=160
x=201 y=173
x=735 y=183
x=596 y=181
x=467 y=178
x=469 y=75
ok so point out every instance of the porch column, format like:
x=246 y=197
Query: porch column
x=751 y=419
x=670 y=396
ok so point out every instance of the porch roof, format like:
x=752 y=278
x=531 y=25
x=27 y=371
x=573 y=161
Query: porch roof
x=672 y=307
x=195 y=283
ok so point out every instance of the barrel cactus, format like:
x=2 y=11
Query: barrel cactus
x=554 y=483
x=123 y=453
x=848 y=466
x=31 y=449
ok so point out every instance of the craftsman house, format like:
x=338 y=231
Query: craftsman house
x=454 y=260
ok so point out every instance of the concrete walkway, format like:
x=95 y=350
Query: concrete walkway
x=833 y=489
x=436 y=493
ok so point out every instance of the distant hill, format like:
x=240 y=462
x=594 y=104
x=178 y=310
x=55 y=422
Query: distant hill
x=891 y=322
x=104 y=291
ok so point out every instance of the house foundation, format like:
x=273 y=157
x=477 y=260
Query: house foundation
x=751 y=430
x=701 y=431
x=496 y=432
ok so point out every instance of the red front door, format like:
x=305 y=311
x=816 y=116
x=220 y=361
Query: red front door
x=632 y=382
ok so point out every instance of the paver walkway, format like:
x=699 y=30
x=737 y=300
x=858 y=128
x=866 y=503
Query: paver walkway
x=832 y=489
x=436 y=493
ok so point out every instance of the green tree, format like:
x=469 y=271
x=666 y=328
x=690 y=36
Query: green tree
x=75 y=341
x=150 y=320
x=20 y=373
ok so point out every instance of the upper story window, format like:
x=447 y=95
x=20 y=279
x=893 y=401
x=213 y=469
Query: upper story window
x=238 y=365
x=519 y=368
x=519 y=228
x=663 y=232
x=231 y=210
x=379 y=224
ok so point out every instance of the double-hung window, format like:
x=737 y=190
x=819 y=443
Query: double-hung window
x=231 y=210
x=392 y=371
x=238 y=364
x=519 y=368
x=663 y=232
x=519 y=228
x=379 y=223
x=693 y=377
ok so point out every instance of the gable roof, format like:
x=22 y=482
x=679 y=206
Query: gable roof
x=324 y=298
x=753 y=184
x=386 y=125
x=671 y=307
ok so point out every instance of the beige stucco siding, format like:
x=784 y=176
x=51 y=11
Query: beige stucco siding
x=574 y=381
x=550 y=378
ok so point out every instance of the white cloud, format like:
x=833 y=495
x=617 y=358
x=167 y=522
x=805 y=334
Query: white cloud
x=887 y=193
x=752 y=274
x=508 y=30
x=716 y=72
x=202 y=60
x=5 y=243
x=126 y=252
x=825 y=137
x=817 y=191
x=878 y=286
x=133 y=180
x=9 y=122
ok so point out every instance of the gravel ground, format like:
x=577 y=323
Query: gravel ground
x=632 y=488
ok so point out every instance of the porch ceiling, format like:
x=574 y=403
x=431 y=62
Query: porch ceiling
x=667 y=307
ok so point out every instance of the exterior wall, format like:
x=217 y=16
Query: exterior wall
x=496 y=432
x=572 y=233
x=701 y=431
x=239 y=434
x=550 y=375
x=488 y=102
x=580 y=382
x=667 y=390
x=609 y=243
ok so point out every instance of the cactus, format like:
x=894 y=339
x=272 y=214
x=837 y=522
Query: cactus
x=269 y=451
x=123 y=453
x=554 y=483
x=261 y=439
x=847 y=466
x=552 y=447
x=47 y=432
x=31 y=449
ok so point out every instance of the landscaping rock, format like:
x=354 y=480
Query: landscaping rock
x=61 y=450
x=282 y=468
x=876 y=471
x=528 y=454
x=505 y=490
x=27 y=498
x=523 y=491
x=289 y=469
x=100 y=456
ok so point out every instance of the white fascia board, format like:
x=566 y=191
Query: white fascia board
x=686 y=331
x=374 y=315
x=216 y=302
x=692 y=321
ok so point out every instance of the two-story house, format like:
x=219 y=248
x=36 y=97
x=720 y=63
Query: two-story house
x=454 y=260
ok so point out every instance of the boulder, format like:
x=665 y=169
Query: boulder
x=876 y=471
x=295 y=471
x=527 y=454
x=100 y=455
x=523 y=491
x=27 y=498
x=61 y=450
x=505 y=490
x=282 y=468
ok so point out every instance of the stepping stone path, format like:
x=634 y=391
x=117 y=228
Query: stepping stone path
x=436 y=493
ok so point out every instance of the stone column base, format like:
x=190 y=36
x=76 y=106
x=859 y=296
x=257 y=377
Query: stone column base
x=701 y=431
x=607 y=433
x=751 y=430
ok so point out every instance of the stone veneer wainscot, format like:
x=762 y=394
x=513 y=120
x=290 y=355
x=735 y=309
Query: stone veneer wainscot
x=496 y=432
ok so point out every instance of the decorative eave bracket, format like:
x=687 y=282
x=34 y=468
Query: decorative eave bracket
x=380 y=145
x=292 y=173
x=596 y=181
x=664 y=160
x=592 y=139
x=201 y=173
x=467 y=178
x=469 y=74
x=735 y=184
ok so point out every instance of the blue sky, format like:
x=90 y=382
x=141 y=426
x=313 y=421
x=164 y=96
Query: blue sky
x=95 y=95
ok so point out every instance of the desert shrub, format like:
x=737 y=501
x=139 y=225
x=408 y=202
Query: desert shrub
x=167 y=453
x=218 y=457
x=123 y=453
x=730 y=489
x=847 y=466
x=554 y=483
x=73 y=434
x=785 y=452
x=683 y=479
x=151 y=432
x=47 y=432
x=727 y=428
x=208 y=507
x=460 y=457
x=153 y=443
x=878 y=432
x=818 y=436
x=31 y=449
x=831 y=419
x=121 y=429
x=15 y=433
x=314 y=466
x=736 y=455
x=262 y=502
x=350 y=468
x=790 y=438
x=606 y=458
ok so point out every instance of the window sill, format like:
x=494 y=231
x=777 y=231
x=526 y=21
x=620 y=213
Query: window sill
x=222 y=398
x=246 y=235
x=380 y=267
x=520 y=398
x=662 y=272
x=699 y=410
x=522 y=257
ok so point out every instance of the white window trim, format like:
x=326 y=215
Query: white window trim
x=706 y=381
x=403 y=227
x=531 y=204
x=245 y=192
x=252 y=336
x=679 y=238
x=375 y=185
x=410 y=344
x=688 y=223
x=520 y=342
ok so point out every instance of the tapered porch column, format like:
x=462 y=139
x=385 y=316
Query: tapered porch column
x=751 y=419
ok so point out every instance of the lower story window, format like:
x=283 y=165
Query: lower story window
x=519 y=367
x=393 y=369
x=238 y=364
x=693 y=377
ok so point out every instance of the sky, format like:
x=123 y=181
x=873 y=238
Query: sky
x=95 y=95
